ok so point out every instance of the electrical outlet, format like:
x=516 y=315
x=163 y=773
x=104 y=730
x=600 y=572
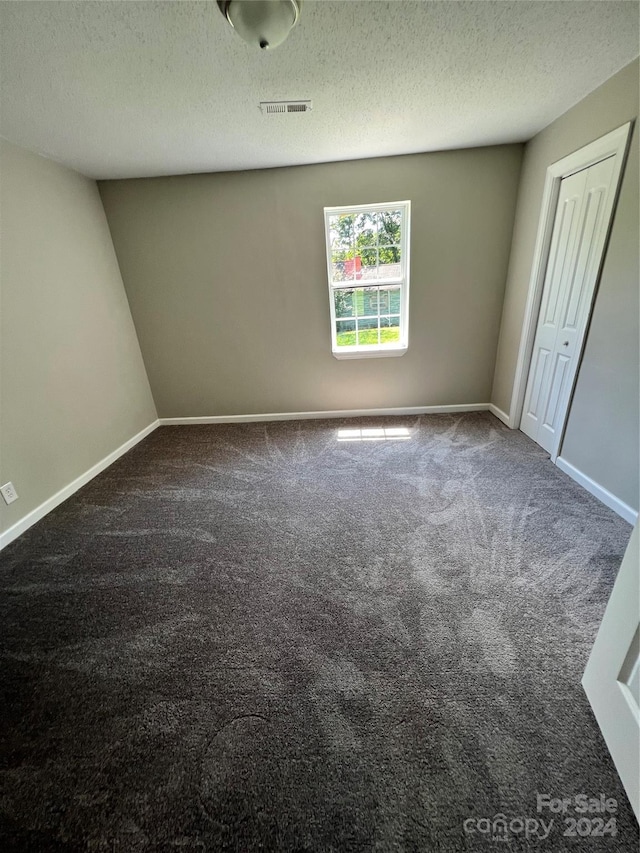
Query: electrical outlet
x=9 y=493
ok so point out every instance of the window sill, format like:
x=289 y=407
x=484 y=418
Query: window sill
x=368 y=352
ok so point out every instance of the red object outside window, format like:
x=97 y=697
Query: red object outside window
x=353 y=265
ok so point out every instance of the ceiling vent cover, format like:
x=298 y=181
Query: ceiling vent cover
x=275 y=107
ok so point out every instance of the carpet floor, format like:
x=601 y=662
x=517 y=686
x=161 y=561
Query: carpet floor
x=285 y=637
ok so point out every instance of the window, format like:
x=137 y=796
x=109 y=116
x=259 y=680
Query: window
x=368 y=266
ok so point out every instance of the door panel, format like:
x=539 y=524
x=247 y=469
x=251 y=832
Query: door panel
x=593 y=215
x=561 y=254
x=559 y=383
x=540 y=373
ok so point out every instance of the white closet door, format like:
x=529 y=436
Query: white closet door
x=580 y=229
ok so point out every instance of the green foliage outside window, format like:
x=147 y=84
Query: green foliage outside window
x=365 y=234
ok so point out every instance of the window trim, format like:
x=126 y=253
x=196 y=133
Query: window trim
x=372 y=350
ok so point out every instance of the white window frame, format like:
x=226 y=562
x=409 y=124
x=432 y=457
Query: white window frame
x=372 y=350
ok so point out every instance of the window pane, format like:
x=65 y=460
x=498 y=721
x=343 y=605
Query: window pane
x=389 y=330
x=368 y=302
x=345 y=333
x=393 y=294
x=390 y=336
x=365 y=301
x=390 y=262
x=338 y=272
x=341 y=235
x=341 y=232
x=389 y=223
x=367 y=333
x=366 y=230
x=347 y=269
x=383 y=300
x=344 y=303
x=369 y=269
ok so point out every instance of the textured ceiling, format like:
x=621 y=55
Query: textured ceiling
x=123 y=89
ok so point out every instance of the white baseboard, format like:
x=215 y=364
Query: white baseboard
x=502 y=416
x=344 y=413
x=40 y=511
x=624 y=510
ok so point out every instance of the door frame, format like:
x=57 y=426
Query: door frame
x=615 y=143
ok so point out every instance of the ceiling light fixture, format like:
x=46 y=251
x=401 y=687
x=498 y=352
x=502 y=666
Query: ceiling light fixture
x=263 y=23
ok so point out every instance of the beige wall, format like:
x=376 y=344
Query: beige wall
x=602 y=431
x=226 y=277
x=73 y=385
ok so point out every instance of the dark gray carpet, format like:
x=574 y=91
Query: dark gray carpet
x=256 y=637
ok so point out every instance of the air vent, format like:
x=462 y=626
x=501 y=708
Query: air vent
x=274 y=107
